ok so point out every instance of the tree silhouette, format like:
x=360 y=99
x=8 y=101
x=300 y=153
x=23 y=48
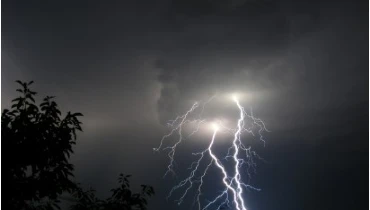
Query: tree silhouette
x=39 y=142
x=36 y=169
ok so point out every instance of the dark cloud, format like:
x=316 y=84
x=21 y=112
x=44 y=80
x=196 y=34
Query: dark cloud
x=301 y=71
x=131 y=66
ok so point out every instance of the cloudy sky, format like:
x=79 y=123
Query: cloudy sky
x=129 y=66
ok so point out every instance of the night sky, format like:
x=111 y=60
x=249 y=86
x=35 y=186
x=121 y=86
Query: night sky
x=129 y=66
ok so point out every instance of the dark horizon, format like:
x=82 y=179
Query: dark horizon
x=129 y=66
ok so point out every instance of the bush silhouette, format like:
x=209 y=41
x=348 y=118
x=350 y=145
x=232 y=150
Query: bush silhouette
x=36 y=169
x=122 y=198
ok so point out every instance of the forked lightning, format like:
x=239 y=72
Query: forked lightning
x=238 y=154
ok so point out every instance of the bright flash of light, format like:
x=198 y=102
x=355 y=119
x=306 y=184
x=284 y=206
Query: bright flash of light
x=243 y=157
x=215 y=126
x=235 y=97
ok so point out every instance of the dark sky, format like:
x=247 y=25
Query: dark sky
x=129 y=66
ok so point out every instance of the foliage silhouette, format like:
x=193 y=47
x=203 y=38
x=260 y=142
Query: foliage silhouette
x=122 y=198
x=39 y=142
x=36 y=170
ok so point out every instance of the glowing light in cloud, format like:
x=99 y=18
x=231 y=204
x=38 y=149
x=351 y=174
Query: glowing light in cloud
x=215 y=126
x=234 y=97
x=242 y=157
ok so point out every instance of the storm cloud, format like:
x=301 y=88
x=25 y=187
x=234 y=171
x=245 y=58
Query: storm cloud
x=131 y=66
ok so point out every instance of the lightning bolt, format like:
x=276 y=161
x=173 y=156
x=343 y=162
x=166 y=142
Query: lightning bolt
x=243 y=157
